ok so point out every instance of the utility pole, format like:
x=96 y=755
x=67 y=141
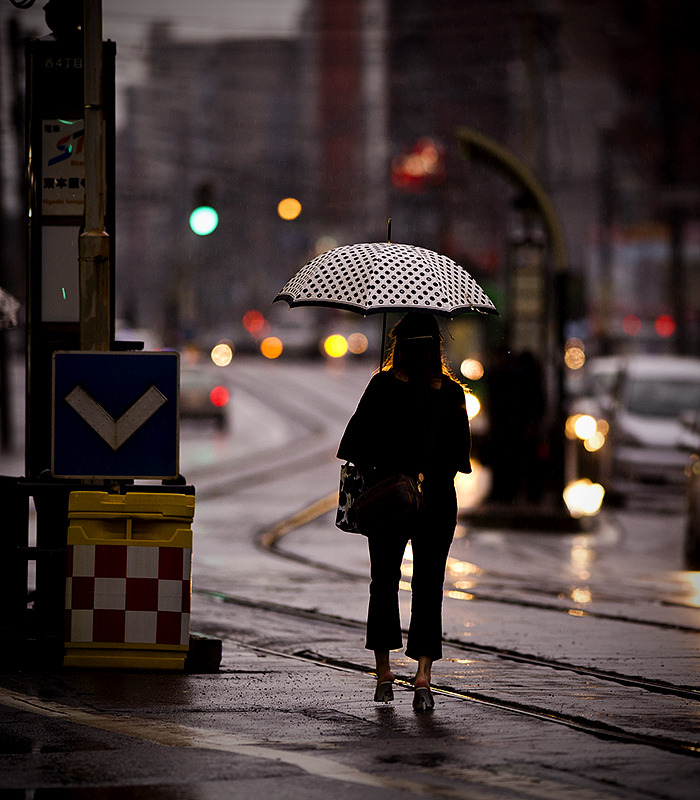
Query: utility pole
x=95 y=282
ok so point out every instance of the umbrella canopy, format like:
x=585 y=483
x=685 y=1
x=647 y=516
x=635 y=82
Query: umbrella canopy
x=380 y=277
x=9 y=306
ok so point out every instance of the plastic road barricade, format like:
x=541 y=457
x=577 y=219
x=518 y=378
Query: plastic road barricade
x=128 y=581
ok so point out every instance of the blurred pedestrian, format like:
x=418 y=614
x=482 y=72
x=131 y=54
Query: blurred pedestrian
x=516 y=408
x=411 y=420
x=504 y=426
x=529 y=386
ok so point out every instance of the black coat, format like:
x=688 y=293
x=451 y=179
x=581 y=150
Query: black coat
x=401 y=428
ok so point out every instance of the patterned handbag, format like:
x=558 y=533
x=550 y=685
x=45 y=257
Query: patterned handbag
x=351 y=487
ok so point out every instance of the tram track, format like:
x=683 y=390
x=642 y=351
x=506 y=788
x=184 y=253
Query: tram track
x=310 y=416
x=304 y=452
x=269 y=539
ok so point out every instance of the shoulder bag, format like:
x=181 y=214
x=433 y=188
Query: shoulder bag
x=362 y=509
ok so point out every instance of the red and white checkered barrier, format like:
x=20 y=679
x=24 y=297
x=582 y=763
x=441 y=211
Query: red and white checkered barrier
x=119 y=593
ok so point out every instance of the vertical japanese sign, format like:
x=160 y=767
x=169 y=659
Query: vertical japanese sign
x=63 y=168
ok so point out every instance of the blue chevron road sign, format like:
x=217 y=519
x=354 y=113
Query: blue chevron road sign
x=115 y=415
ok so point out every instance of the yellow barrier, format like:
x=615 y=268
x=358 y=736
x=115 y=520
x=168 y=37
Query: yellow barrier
x=128 y=580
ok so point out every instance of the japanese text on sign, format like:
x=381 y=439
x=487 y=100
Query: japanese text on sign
x=63 y=174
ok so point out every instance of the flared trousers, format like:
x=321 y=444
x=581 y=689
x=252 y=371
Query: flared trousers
x=430 y=533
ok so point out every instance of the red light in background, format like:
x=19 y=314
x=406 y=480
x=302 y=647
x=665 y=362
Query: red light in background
x=632 y=325
x=219 y=396
x=665 y=325
x=421 y=165
x=254 y=322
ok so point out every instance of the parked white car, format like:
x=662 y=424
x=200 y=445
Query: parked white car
x=647 y=444
x=599 y=382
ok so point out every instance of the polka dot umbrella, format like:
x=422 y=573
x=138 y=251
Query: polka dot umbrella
x=385 y=277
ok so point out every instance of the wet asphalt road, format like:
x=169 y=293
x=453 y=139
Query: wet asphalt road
x=570 y=669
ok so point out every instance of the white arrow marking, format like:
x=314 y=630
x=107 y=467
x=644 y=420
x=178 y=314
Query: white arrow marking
x=115 y=432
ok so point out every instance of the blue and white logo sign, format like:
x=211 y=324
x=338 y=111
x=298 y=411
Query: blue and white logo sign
x=115 y=415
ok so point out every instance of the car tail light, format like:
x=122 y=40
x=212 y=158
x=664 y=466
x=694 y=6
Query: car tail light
x=219 y=396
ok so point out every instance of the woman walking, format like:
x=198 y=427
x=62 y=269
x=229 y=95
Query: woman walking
x=411 y=420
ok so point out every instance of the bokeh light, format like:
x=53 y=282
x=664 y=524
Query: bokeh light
x=594 y=442
x=325 y=243
x=335 y=346
x=271 y=347
x=472 y=369
x=222 y=353
x=574 y=353
x=574 y=357
x=583 y=498
x=289 y=208
x=632 y=325
x=357 y=343
x=665 y=325
x=590 y=430
x=219 y=396
x=585 y=426
x=254 y=322
x=473 y=404
x=204 y=220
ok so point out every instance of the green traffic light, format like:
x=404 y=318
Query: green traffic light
x=203 y=220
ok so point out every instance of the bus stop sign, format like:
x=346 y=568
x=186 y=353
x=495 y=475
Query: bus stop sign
x=115 y=415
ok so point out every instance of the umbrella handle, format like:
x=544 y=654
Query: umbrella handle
x=381 y=352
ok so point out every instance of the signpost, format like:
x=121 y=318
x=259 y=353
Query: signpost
x=62 y=285
x=115 y=415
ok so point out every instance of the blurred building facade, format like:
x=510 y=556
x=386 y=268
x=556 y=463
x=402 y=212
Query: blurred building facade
x=216 y=122
x=356 y=117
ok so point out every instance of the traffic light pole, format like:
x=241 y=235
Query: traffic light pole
x=94 y=244
x=550 y=284
x=476 y=145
